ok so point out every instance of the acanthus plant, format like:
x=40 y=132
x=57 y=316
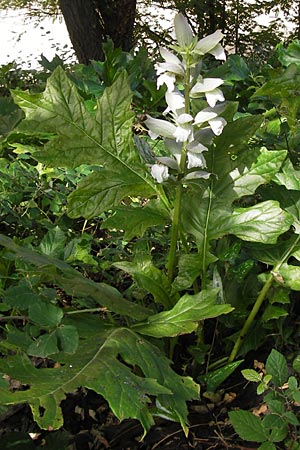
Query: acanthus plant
x=188 y=195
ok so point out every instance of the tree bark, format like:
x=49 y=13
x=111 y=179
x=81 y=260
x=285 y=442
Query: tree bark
x=91 y=22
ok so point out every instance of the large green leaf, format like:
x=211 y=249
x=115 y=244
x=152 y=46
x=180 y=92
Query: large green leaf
x=149 y=278
x=209 y=212
x=184 y=316
x=135 y=220
x=104 y=139
x=102 y=365
x=74 y=283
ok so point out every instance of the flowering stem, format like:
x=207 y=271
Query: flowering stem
x=171 y=264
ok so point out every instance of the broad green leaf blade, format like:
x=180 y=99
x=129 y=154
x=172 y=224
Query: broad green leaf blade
x=215 y=379
x=273 y=312
x=135 y=220
x=276 y=426
x=51 y=410
x=296 y=364
x=264 y=223
x=184 y=316
x=267 y=446
x=248 y=426
x=277 y=367
x=104 y=139
x=290 y=276
x=74 y=283
x=288 y=176
x=104 y=189
x=189 y=268
x=208 y=212
x=99 y=365
x=149 y=278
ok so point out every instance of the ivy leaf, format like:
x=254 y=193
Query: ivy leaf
x=45 y=315
x=68 y=338
x=248 y=426
x=20 y=296
x=184 y=316
x=44 y=346
x=102 y=365
x=103 y=139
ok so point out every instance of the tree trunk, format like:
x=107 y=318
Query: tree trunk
x=91 y=22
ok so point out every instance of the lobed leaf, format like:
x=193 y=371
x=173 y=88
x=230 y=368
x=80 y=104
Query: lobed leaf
x=102 y=365
x=103 y=139
x=184 y=316
x=74 y=283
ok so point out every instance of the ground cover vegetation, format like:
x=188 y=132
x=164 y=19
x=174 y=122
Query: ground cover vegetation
x=150 y=243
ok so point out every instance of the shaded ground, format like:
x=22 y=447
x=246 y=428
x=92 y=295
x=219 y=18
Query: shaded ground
x=90 y=425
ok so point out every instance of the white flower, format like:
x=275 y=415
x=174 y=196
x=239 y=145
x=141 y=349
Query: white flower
x=175 y=102
x=214 y=96
x=196 y=147
x=168 y=79
x=158 y=127
x=160 y=172
x=169 y=162
x=184 y=128
x=217 y=125
x=218 y=52
x=210 y=44
x=174 y=147
x=204 y=116
x=167 y=71
x=209 y=87
x=183 y=31
x=195 y=160
x=210 y=115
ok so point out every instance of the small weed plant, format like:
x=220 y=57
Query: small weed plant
x=280 y=423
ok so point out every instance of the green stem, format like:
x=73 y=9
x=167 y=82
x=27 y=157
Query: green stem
x=88 y=310
x=172 y=261
x=259 y=301
x=174 y=234
x=251 y=317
